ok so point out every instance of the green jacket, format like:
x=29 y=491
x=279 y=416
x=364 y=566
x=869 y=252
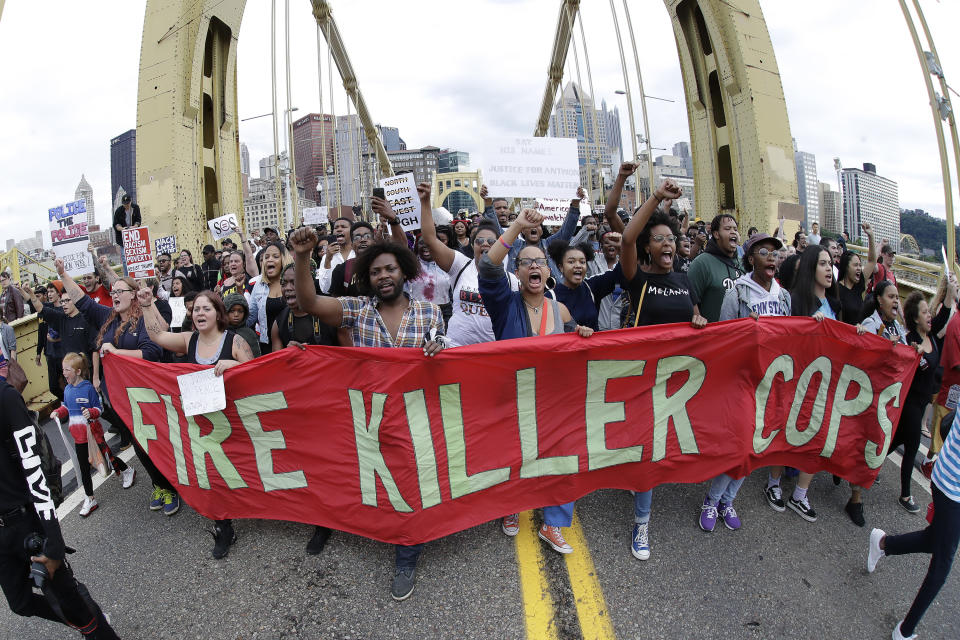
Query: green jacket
x=711 y=275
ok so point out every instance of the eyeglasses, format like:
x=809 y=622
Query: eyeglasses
x=660 y=238
x=362 y=236
x=117 y=292
x=526 y=262
x=485 y=241
x=763 y=252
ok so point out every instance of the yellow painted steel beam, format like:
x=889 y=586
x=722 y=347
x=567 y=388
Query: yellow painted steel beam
x=558 y=58
x=470 y=182
x=188 y=155
x=324 y=16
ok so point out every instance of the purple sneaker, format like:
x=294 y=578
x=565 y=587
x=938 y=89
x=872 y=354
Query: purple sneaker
x=708 y=515
x=729 y=515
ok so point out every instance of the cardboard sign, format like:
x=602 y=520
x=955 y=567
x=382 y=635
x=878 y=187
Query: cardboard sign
x=202 y=392
x=136 y=253
x=69 y=237
x=166 y=244
x=224 y=226
x=554 y=212
x=315 y=215
x=401 y=192
x=533 y=168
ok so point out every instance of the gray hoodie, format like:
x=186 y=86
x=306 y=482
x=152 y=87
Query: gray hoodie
x=747 y=297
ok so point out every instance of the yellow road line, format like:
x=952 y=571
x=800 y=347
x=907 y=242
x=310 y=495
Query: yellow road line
x=537 y=601
x=591 y=607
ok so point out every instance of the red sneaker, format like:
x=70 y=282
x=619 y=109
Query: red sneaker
x=553 y=537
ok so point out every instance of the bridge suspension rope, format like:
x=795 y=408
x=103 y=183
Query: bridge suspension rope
x=323 y=124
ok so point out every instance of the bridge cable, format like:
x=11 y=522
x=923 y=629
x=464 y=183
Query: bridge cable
x=626 y=81
x=643 y=97
x=593 y=111
x=277 y=193
x=586 y=142
x=336 y=158
x=323 y=123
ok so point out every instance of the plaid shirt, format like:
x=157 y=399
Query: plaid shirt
x=361 y=315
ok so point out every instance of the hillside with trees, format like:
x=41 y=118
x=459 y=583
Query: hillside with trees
x=929 y=232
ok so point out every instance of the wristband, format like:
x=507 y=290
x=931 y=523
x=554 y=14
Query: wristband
x=393 y=222
x=504 y=243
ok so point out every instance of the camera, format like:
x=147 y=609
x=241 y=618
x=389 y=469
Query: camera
x=33 y=544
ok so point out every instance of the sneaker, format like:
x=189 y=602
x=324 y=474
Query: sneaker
x=897 y=635
x=708 y=516
x=223 y=537
x=909 y=504
x=730 y=517
x=89 y=506
x=171 y=502
x=837 y=480
x=404 y=580
x=511 y=525
x=640 y=547
x=775 y=498
x=553 y=537
x=803 y=509
x=124 y=447
x=926 y=467
x=318 y=541
x=874 y=553
x=855 y=511
x=156 y=500
x=127 y=476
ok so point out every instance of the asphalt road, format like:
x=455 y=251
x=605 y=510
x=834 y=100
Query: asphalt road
x=777 y=577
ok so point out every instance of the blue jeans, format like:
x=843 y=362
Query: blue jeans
x=940 y=540
x=724 y=489
x=558 y=516
x=407 y=556
x=641 y=506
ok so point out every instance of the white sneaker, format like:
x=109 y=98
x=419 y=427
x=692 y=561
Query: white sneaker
x=875 y=552
x=899 y=636
x=89 y=505
x=128 y=475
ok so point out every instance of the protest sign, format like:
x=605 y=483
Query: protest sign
x=533 y=168
x=201 y=392
x=224 y=226
x=390 y=445
x=401 y=192
x=179 y=312
x=69 y=237
x=136 y=253
x=314 y=215
x=166 y=244
x=554 y=212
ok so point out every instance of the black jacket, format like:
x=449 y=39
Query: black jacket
x=120 y=218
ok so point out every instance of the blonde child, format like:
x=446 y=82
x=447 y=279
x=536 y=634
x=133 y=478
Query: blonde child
x=82 y=405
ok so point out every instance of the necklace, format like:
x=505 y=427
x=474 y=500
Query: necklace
x=532 y=308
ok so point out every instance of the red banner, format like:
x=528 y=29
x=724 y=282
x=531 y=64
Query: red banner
x=392 y=445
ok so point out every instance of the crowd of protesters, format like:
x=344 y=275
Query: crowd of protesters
x=499 y=276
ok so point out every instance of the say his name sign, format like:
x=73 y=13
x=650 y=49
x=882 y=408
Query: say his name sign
x=401 y=192
x=554 y=212
x=392 y=445
x=137 y=256
x=533 y=168
x=69 y=237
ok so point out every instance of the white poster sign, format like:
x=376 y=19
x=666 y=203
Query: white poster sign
x=533 y=168
x=223 y=226
x=179 y=310
x=202 y=392
x=69 y=237
x=401 y=192
x=315 y=215
x=554 y=212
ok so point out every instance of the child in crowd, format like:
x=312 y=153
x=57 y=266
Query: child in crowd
x=237 y=313
x=82 y=406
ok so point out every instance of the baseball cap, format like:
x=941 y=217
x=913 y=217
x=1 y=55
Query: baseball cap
x=125 y=199
x=758 y=237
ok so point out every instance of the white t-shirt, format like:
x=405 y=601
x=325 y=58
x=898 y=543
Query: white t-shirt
x=469 y=323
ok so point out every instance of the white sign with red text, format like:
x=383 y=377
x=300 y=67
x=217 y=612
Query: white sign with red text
x=138 y=253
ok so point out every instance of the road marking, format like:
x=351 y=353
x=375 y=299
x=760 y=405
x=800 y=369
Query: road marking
x=918 y=477
x=76 y=498
x=538 y=604
x=592 y=611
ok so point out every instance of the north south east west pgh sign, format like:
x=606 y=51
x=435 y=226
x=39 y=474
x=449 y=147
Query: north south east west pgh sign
x=392 y=445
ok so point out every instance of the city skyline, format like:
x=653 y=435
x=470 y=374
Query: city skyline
x=837 y=107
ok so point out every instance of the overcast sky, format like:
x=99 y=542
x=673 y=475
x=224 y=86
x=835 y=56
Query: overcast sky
x=458 y=79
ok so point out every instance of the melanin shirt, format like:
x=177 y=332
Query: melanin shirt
x=666 y=298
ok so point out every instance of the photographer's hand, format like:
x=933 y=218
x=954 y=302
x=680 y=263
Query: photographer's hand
x=51 y=565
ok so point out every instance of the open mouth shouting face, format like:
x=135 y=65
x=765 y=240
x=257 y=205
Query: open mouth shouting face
x=662 y=247
x=288 y=289
x=574 y=267
x=532 y=270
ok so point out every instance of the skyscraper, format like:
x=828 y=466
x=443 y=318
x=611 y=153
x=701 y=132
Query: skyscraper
x=808 y=186
x=313 y=138
x=574 y=116
x=123 y=163
x=268 y=167
x=85 y=192
x=870 y=198
x=682 y=150
x=831 y=211
x=244 y=170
